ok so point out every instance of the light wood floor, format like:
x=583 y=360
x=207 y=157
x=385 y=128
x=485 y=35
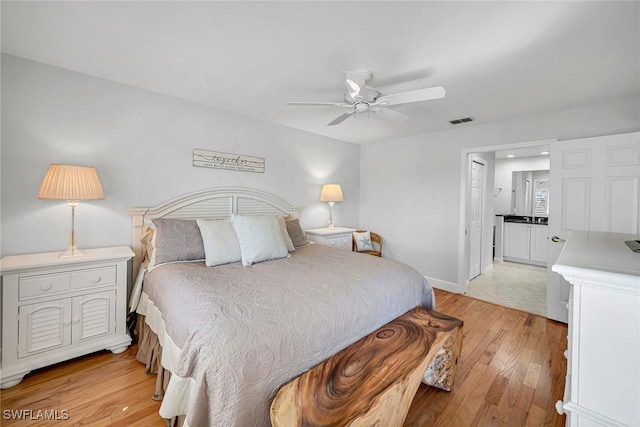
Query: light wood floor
x=510 y=373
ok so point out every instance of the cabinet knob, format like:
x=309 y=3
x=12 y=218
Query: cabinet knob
x=560 y=407
x=96 y=279
x=46 y=287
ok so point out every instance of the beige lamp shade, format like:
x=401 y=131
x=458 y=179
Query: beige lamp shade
x=331 y=193
x=67 y=182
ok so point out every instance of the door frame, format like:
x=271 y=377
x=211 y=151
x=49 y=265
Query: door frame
x=465 y=192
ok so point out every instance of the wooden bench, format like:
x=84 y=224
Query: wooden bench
x=373 y=381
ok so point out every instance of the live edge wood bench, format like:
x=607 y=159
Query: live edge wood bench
x=373 y=381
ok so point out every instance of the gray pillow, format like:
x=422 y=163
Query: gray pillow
x=295 y=232
x=285 y=233
x=176 y=240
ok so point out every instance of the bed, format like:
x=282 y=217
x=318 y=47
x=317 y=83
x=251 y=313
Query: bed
x=227 y=337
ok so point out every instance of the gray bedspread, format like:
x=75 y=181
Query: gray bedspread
x=246 y=331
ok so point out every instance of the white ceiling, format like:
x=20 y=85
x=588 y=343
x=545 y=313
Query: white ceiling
x=497 y=60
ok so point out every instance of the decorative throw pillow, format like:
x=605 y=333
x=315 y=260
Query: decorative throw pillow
x=220 y=241
x=285 y=234
x=363 y=241
x=147 y=246
x=176 y=240
x=295 y=232
x=260 y=238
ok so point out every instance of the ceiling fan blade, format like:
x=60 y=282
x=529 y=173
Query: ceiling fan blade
x=341 y=118
x=335 y=104
x=392 y=115
x=399 y=78
x=414 y=96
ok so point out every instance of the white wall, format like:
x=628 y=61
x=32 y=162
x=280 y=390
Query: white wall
x=503 y=177
x=410 y=187
x=141 y=144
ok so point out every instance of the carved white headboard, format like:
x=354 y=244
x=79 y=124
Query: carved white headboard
x=214 y=203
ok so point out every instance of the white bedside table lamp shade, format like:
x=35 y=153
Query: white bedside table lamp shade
x=71 y=183
x=331 y=193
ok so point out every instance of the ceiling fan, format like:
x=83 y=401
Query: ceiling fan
x=361 y=98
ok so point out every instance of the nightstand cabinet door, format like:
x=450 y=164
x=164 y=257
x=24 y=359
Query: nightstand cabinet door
x=44 y=326
x=94 y=315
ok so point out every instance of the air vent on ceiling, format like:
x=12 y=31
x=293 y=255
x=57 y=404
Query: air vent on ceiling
x=463 y=120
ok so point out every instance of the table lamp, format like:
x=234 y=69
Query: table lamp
x=331 y=193
x=71 y=183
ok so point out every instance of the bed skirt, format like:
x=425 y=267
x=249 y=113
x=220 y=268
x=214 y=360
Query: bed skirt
x=150 y=355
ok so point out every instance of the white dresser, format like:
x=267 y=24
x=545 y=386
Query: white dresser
x=603 y=358
x=338 y=237
x=55 y=309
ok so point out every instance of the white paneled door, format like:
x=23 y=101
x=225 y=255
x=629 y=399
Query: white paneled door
x=475 y=226
x=595 y=187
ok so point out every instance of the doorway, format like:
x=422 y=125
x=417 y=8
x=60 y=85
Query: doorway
x=516 y=285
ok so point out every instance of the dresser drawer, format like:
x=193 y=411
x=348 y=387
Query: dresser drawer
x=43 y=285
x=94 y=277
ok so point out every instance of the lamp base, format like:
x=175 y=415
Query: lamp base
x=71 y=252
x=331 y=214
x=73 y=248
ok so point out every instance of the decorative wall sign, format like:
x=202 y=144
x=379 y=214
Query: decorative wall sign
x=228 y=161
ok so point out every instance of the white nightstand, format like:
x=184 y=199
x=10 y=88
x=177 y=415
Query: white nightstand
x=338 y=237
x=55 y=309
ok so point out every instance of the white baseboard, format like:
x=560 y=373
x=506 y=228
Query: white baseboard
x=444 y=285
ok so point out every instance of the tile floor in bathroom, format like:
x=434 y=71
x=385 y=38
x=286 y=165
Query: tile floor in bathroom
x=514 y=285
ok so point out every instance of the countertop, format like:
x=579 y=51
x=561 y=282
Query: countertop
x=521 y=219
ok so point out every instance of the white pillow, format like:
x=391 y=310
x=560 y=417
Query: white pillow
x=285 y=233
x=363 y=241
x=260 y=238
x=220 y=241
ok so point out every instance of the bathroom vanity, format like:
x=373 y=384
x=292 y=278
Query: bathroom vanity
x=525 y=240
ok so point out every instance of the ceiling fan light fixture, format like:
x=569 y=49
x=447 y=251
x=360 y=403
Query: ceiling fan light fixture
x=356 y=82
x=354 y=86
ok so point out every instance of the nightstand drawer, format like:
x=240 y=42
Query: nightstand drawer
x=48 y=284
x=337 y=237
x=94 y=277
x=339 y=242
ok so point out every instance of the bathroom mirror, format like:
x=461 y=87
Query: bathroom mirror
x=530 y=193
